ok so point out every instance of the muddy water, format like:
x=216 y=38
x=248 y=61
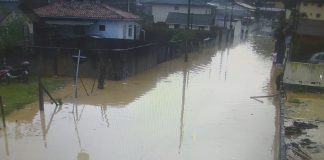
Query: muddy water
x=176 y=111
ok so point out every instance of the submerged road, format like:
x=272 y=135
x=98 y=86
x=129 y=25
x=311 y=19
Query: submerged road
x=177 y=111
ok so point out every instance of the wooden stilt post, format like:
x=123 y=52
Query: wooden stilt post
x=40 y=87
x=40 y=94
x=102 y=71
x=186 y=52
x=2 y=113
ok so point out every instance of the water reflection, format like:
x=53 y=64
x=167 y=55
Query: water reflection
x=160 y=115
x=6 y=144
x=82 y=155
x=185 y=81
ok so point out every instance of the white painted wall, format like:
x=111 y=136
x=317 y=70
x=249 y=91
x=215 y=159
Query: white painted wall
x=312 y=9
x=160 y=12
x=115 y=29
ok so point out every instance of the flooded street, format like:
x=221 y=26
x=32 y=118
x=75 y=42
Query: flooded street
x=176 y=111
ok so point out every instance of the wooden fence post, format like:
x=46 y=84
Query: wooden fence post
x=2 y=113
x=40 y=87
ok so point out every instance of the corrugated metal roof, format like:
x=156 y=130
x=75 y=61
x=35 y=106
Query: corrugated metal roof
x=197 y=19
x=83 y=10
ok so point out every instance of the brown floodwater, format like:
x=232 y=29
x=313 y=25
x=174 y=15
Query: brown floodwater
x=176 y=111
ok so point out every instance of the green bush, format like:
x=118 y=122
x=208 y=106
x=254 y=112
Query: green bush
x=182 y=35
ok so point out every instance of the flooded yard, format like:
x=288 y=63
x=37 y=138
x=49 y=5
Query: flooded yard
x=176 y=111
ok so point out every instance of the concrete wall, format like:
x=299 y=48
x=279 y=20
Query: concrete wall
x=160 y=12
x=312 y=10
x=304 y=74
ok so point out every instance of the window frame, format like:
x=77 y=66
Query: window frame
x=102 y=29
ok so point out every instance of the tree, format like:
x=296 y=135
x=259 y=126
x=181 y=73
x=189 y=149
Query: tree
x=11 y=33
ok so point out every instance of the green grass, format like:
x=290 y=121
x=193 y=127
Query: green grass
x=294 y=100
x=17 y=94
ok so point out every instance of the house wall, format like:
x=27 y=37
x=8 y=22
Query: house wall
x=160 y=12
x=314 y=11
x=113 y=29
x=194 y=27
x=116 y=29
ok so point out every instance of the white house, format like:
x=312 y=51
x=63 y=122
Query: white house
x=161 y=8
x=75 y=18
x=197 y=21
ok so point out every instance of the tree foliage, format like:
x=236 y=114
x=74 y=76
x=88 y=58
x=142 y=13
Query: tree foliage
x=11 y=32
x=182 y=35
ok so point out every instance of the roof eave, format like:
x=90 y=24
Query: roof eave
x=89 y=18
x=161 y=3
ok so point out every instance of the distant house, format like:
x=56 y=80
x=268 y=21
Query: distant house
x=273 y=4
x=125 y=5
x=161 y=8
x=309 y=29
x=312 y=9
x=76 y=18
x=197 y=21
x=306 y=36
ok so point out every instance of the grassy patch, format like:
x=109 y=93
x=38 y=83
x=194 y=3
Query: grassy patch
x=294 y=100
x=17 y=94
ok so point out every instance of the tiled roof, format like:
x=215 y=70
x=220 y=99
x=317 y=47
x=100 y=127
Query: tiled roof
x=310 y=27
x=197 y=19
x=83 y=10
x=179 y=2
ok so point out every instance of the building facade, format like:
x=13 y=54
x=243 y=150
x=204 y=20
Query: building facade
x=313 y=10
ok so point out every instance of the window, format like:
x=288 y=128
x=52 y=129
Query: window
x=176 y=26
x=130 y=31
x=102 y=27
x=318 y=15
x=176 y=7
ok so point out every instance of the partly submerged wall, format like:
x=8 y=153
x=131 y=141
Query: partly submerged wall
x=305 y=74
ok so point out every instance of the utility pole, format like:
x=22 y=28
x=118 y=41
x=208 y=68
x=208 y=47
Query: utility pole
x=188 y=15
x=225 y=14
x=188 y=27
x=231 y=19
